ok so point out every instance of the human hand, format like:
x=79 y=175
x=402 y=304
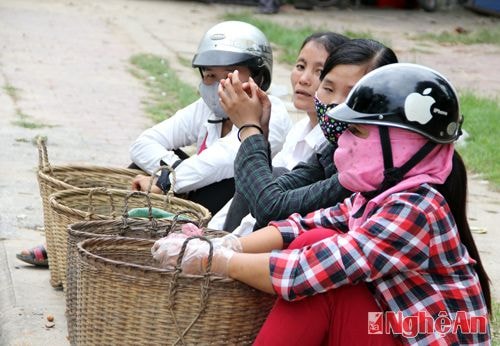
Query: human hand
x=141 y=183
x=266 y=109
x=167 y=250
x=191 y=230
x=195 y=259
x=240 y=100
x=229 y=241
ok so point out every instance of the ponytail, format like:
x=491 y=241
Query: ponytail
x=454 y=191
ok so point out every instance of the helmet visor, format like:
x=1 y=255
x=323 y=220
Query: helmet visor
x=217 y=58
x=344 y=113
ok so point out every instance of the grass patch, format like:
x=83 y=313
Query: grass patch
x=359 y=34
x=27 y=124
x=12 y=92
x=495 y=323
x=287 y=39
x=480 y=36
x=26 y=121
x=167 y=92
x=184 y=62
x=481 y=122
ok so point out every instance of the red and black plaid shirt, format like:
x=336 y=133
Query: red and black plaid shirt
x=408 y=251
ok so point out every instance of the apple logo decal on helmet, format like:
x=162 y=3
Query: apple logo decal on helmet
x=418 y=106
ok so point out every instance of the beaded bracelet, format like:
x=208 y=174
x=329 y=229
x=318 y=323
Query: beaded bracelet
x=249 y=125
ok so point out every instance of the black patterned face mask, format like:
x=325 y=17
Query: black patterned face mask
x=331 y=128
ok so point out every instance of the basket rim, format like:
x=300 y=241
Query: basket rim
x=81 y=228
x=56 y=197
x=84 y=253
x=55 y=181
x=83 y=167
x=45 y=173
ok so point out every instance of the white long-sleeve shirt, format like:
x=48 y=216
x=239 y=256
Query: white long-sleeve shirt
x=302 y=141
x=189 y=126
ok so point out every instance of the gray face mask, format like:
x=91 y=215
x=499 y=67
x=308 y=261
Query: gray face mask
x=209 y=94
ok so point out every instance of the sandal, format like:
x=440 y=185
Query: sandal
x=36 y=256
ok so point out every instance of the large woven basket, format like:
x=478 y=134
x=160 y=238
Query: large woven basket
x=57 y=178
x=125 y=227
x=71 y=206
x=125 y=298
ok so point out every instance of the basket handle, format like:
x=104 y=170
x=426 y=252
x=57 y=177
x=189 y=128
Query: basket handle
x=204 y=287
x=91 y=203
x=198 y=222
x=43 y=158
x=152 y=220
x=170 y=191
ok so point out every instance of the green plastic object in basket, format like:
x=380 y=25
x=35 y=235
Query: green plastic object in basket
x=156 y=212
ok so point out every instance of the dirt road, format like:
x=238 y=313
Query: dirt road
x=64 y=65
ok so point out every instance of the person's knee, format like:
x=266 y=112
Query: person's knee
x=310 y=237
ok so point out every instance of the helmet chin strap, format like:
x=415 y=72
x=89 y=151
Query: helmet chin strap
x=393 y=175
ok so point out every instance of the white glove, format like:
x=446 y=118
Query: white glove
x=195 y=260
x=229 y=241
x=190 y=229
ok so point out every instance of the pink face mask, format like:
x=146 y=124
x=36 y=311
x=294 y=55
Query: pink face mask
x=360 y=161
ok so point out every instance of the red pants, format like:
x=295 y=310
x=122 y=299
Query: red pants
x=336 y=317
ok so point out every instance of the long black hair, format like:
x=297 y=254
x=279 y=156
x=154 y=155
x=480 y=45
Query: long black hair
x=454 y=191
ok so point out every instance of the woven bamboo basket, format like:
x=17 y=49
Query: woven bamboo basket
x=57 y=178
x=125 y=227
x=125 y=298
x=71 y=206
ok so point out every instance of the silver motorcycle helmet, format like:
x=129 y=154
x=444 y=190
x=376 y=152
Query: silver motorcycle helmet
x=237 y=43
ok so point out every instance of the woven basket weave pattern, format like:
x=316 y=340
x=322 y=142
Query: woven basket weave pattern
x=57 y=178
x=71 y=206
x=82 y=177
x=126 y=227
x=123 y=298
x=52 y=179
